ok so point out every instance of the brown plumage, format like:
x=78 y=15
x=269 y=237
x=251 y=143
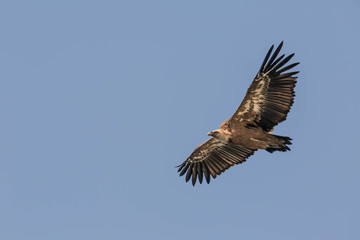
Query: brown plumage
x=267 y=103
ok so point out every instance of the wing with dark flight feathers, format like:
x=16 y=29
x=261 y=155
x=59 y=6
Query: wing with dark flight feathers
x=212 y=158
x=271 y=94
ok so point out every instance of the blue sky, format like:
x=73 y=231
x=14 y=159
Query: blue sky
x=100 y=100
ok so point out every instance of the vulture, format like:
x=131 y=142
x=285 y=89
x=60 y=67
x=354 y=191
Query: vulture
x=267 y=102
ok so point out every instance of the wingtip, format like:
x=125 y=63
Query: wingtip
x=266 y=58
x=271 y=48
x=181 y=166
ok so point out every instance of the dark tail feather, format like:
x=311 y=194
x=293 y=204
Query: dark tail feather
x=281 y=146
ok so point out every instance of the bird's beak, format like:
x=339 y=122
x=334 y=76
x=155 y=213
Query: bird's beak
x=210 y=133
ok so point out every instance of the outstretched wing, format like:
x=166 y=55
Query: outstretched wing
x=212 y=158
x=271 y=94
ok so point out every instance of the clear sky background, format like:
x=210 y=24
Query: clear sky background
x=100 y=100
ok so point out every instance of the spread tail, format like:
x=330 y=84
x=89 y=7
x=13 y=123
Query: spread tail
x=279 y=144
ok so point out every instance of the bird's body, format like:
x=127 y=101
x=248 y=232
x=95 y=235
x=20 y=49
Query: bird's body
x=267 y=103
x=249 y=136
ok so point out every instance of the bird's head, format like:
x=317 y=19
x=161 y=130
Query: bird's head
x=214 y=133
x=219 y=134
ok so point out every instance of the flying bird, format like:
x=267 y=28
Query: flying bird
x=267 y=102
